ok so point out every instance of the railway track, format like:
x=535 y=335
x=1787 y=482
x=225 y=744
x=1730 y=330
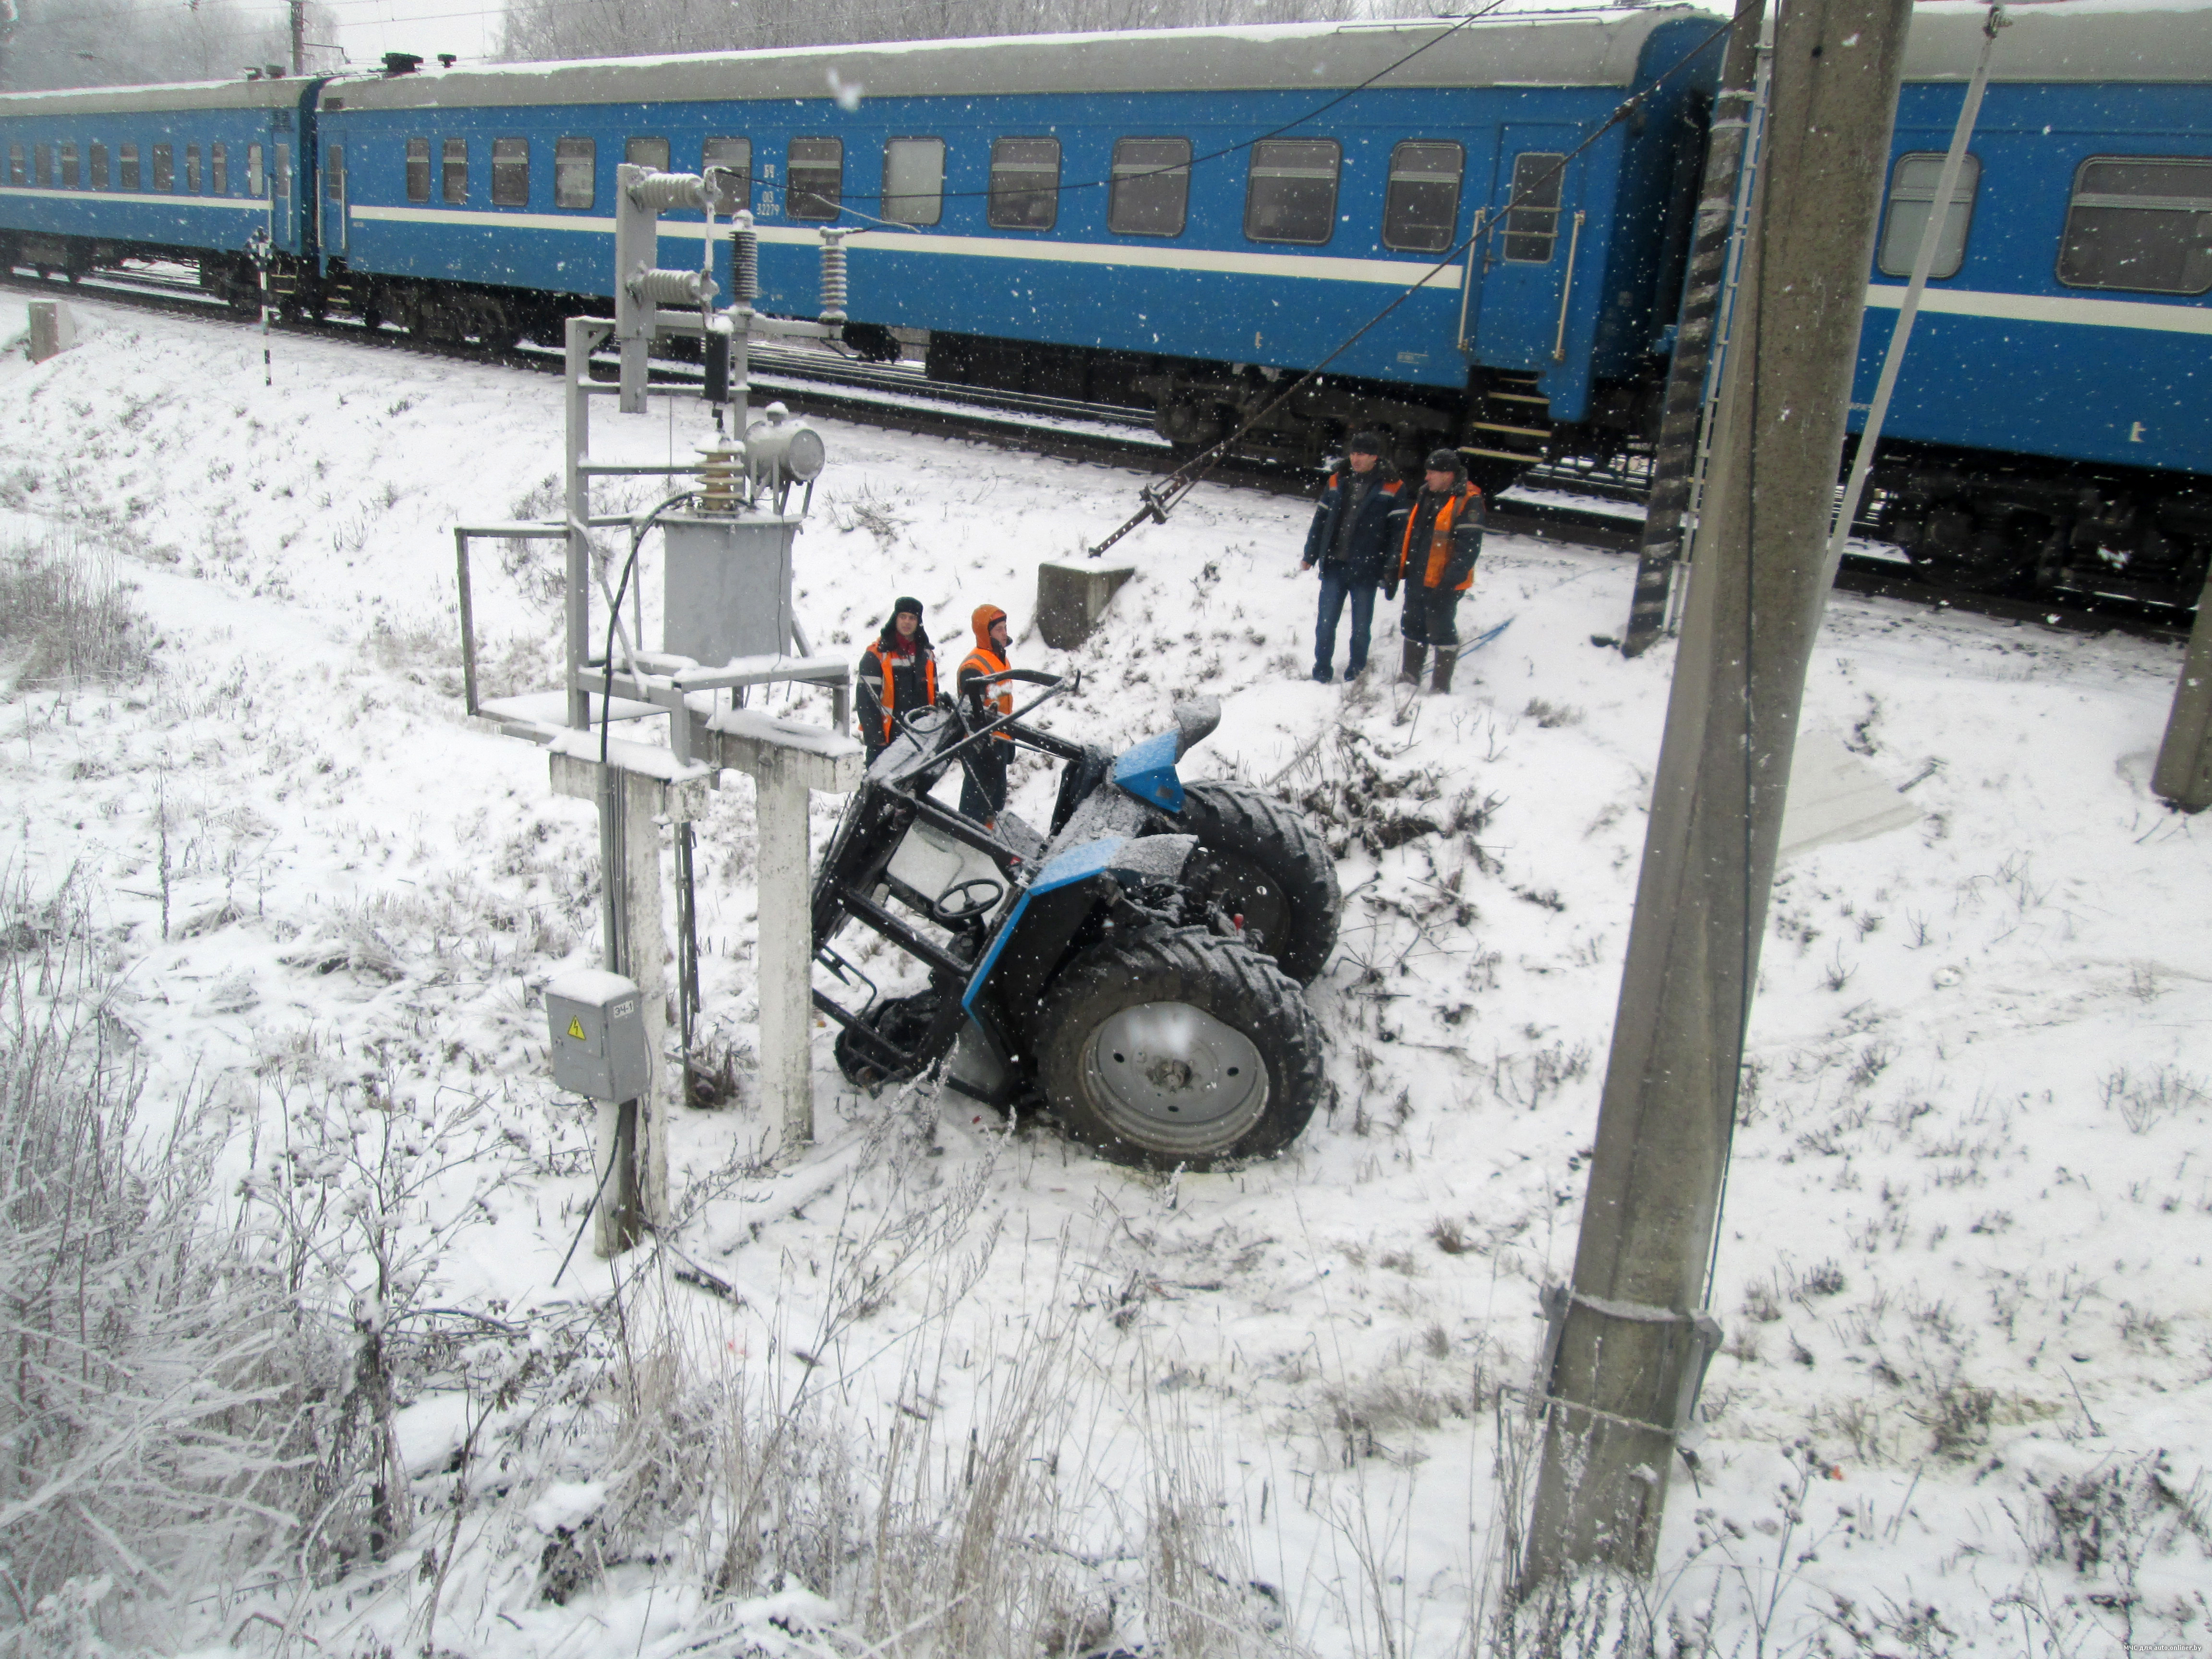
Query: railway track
x=1596 y=512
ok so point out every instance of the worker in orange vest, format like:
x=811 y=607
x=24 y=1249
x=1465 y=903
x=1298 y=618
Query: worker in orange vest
x=897 y=675
x=984 y=767
x=1435 y=556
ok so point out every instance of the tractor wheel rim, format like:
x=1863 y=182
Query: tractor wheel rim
x=1173 y=1077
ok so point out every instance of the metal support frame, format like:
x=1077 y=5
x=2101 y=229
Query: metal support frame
x=637 y=786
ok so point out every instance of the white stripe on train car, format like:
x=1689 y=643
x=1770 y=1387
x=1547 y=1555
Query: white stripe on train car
x=1389 y=272
x=2049 y=308
x=2008 y=308
x=254 y=203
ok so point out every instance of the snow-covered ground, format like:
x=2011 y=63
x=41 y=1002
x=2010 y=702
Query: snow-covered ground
x=1966 y=1395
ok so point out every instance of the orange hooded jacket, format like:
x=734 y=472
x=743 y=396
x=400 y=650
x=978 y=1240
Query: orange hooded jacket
x=985 y=660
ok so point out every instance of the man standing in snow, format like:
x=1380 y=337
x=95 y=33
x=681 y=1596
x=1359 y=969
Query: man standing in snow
x=1349 y=539
x=897 y=675
x=984 y=767
x=1435 y=556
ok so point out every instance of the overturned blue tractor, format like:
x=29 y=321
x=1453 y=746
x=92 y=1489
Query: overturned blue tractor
x=1135 y=970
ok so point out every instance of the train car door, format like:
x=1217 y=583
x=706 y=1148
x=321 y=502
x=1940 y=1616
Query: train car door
x=1524 y=282
x=334 y=200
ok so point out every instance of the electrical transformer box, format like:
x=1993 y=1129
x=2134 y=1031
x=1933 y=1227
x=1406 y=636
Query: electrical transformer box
x=597 y=1024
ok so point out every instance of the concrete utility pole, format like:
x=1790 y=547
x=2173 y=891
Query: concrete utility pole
x=299 y=37
x=1674 y=464
x=1630 y=1338
x=2184 y=775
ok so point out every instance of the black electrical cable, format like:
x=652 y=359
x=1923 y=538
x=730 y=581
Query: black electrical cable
x=614 y=615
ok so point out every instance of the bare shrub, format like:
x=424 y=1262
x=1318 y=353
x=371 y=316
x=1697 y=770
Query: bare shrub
x=2144 y=1100
x=64 y=616
x=157 y=1406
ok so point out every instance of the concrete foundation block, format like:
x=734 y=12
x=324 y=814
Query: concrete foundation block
x=1071 y=599
x=53 y=330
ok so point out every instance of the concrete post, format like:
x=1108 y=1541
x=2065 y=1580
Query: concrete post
x=787 y=950
x=1628 y=1334
x=2184 y=775
x=786 y=760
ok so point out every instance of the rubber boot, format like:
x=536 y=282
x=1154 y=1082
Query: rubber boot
x=1410 y=673
x=1447 y=659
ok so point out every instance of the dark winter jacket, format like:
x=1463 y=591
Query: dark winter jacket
x=891 y=683
x=1440 y=539
x=1365 y=548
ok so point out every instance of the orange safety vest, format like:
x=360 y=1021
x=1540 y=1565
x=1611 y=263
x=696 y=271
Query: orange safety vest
x=983 y=662
x=885 y=660
x=1432 y=573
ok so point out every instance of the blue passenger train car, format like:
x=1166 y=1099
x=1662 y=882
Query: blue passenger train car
x=2053 y=419
x=108 y=174
x=1157 y=216
x=1184 y=219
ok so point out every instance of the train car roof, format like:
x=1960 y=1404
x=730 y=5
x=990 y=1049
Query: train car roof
x=2078 y=40
x=1601 y=48
x=283 y=91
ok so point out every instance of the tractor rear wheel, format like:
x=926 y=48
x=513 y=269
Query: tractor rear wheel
x=1266 y=864
x=1180 y=1049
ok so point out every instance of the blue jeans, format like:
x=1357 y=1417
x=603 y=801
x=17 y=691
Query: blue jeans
x=1337 y=582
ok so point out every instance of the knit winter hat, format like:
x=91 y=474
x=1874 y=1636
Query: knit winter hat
x=1446 y=461
x=1363 y=443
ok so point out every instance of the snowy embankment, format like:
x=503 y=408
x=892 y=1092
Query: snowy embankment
x=935 y=1367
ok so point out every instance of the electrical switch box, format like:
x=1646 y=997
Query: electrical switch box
x=597 y=1024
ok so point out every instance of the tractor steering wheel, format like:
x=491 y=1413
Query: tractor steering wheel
x=950 y=908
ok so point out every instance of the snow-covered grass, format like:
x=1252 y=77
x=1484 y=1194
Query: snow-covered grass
x=956 y=1386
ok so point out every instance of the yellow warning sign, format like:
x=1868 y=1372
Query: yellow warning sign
x=576 y=1027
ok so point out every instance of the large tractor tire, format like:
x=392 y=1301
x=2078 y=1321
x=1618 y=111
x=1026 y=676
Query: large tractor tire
x=1267 y=865
x=1181 y=1049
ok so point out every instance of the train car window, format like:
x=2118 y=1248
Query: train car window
x=418 y=169
x=42 y=166
x=218 y=170
x=71 y=179
x=1532 y=212
x=2144 y=225
x=914 y=180
x=14 y=164
x=283 y=171
x=1024 y=184
x=165 y=167
x=1292 y=194
x=646 y=153
x=257 y=175
x=814 y=178
x=575 y=172
x=735 y=157
x=334 y=173
x=453 y=170
x=510 y=172
x=1150 y=195
x=1420 y=206
x=126 y=168
x=192 y=169
x=1911 y=198
x=99 y=174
